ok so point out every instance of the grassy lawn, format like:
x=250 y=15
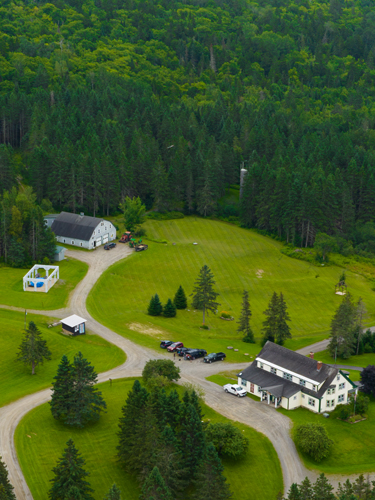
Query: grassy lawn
x=354 y=444
x=362 y=360
x=239 y=259
x=40 y=441
x=12 y=294
x=16 y=379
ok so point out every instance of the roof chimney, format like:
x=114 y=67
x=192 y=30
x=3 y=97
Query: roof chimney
x=311 y=355
x=319 y=366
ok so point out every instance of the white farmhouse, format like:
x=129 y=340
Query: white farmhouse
x=82 y=231
x=282 y=377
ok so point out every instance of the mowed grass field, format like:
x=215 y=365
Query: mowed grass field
x=12 y=294
x=353 y=451
x=40 y=441
x=362 y=360
x=16 y=379
x=239 y=259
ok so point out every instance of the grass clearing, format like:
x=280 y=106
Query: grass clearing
x=239 y=259
x=362 y=360
x=16 y=380
x=40 y=441
x=353 y=451
x=12 y=294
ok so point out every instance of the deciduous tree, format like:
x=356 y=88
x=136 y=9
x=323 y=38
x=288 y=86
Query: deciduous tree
x=228 y=440
x=134 y=211
x=368 y=380
x=313 y=440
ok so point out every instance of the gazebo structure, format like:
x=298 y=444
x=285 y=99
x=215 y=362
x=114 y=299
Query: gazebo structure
x=34 y=282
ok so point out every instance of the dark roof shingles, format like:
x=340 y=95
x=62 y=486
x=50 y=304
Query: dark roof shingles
x=75 y=226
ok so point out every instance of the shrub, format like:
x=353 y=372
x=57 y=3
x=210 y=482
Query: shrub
x=313 y=440
x=344 y=413
x=139 y=232
x=160 y=371
x=225 y=315
x=227 y=439
x=204 y=327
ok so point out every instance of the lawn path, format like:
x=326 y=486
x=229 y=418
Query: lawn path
x=261 y=417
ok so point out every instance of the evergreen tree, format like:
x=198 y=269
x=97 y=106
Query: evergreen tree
x=75 y=401
x=61 y=390
x=210 y=482
x=134 y=406
x=114 y=493
x=6 y=488
x=155 y=307
x=204 y=296
x=283 y=330
x=271 y=323
x=169 y=309
x=322 y=489
x=180 y=300
x=306 y=490
x=244 y=321
x=33 y=349
x=191 y=437
x=293 y=493
x=342 y=335
x=154 y=487
x=69 y=481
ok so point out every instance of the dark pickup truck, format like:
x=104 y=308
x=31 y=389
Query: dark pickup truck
x=214 y=356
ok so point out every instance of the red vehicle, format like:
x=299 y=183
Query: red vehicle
x=125 y=237
x=173 y=347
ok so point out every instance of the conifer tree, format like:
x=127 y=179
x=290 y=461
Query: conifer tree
x=155 y=307
x=342 y=335
x=210 y=482
x=69 y=481
x=172 y=409
x=169 y=309
x=134 y=406
x=191 y=438
x=114 y=493
x=61 y=390
x=33 y=349
x=6 y=488
x=180 y=300
x=283 y=330
x=154 y=487
x=270 y=324
x=204 y=295
x=244 y=321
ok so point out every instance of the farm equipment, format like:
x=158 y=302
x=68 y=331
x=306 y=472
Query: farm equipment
x=125 y=237
x=138 y=246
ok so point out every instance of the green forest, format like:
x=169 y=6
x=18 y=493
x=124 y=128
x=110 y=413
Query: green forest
x=164 y=99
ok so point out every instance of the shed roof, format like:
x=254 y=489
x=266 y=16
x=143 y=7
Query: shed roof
x=294 y=362
x=76 y=226
x=59 y=249
x=73 y=320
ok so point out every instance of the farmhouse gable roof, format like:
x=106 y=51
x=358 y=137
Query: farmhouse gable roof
x=75 y=226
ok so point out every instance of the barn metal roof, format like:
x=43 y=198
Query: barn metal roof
x=75 y=226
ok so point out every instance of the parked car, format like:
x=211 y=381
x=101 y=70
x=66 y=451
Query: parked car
x=215 y=356
x=181 y=350
x=174 y=346
x=195 y=353
x=165 y=343
x=235 y=389
x=108 y=246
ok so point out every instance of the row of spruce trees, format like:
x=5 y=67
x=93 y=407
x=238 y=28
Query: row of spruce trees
x=155 y=307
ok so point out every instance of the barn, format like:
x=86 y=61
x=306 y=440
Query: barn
x=74 y=325
x=82 y=230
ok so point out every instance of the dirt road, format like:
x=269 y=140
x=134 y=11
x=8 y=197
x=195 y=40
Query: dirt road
x=255 y=414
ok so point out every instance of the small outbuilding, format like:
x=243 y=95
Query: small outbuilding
x=74 y=325
x=59 y=253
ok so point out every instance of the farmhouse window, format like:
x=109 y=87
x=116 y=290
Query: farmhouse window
x=81 y=244
x=341 y=386
x=331 y=390
x=303 y=396
x=243 y=382
x=261 y=365
x=302 y=382
x=252 y=388
x=341 y=398
x=259 y=389
x=273 y=370
x=288 y=376
x=295 y=397
x=72 y=242
x=338 y=377
x=314 y=387
x=311 y=402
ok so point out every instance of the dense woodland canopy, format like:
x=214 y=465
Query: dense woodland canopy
x=163 y=99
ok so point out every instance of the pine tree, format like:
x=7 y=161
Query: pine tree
x=134 y=406
x=204 y=296
x=294 y=493
x=155 y=308
x=244 y=321
x=191 y=438
x=69 y=481
x=322 y=489
x=180 y=300
x=75 y=401
x=33 y=349
x=270 y=324
x=169 y=309
x=283 y=330
x=61 y=390
x=6 y=488
x=210 y=482
x=154 y=487
x=114 y=493
x=342 y=341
